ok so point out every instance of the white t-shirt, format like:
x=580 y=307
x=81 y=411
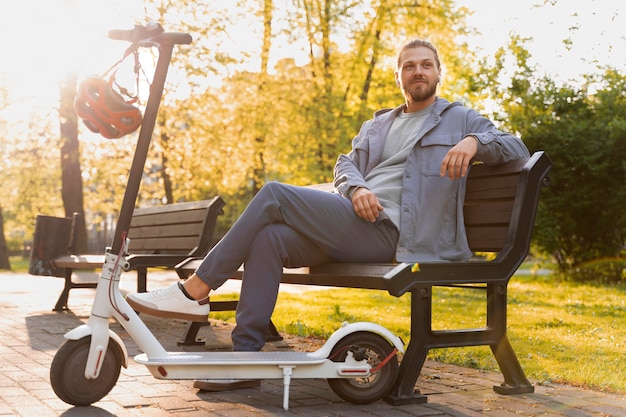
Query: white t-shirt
x=385 y=180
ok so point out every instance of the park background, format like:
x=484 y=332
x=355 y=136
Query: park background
x=274 y=90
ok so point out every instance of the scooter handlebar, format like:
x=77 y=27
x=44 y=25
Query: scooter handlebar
x=151 y=33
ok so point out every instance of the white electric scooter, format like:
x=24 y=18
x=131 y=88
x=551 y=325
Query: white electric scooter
x=359 y=360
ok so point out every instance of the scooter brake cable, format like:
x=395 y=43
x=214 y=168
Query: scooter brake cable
x=117 y=262
x=384 y=361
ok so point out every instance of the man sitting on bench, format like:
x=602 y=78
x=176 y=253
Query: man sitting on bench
x=399 y=197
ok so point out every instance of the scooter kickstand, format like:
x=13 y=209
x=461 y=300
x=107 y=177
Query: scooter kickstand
x=287 y=371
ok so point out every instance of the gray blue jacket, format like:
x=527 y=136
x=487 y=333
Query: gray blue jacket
x=431 y=212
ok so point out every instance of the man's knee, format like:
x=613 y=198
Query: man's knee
x=274 y=188
x=279 y=193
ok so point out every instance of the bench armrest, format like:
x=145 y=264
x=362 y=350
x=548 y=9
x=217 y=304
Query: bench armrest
x=407 y=276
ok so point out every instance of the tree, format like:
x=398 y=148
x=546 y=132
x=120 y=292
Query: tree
x=71 y=176
x=581 y=220
x=4 y=250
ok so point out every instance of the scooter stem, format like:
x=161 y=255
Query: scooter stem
x=108 y=303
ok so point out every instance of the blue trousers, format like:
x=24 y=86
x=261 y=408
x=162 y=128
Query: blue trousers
x=289 y=226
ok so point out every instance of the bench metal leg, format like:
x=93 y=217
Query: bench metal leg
x=62 y=301
x=272 y=333
x=423 y=338
x=404 y=391
x=191 y=334
x=61 y=304
x=142 y=278
x=515 y=381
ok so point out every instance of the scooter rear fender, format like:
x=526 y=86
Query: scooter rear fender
x=348 y=328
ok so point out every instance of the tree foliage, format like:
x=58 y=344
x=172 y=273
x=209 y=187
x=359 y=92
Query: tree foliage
x=30 y=170
x=581 y=219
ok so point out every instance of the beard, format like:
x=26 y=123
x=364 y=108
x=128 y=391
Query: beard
x=420 y=92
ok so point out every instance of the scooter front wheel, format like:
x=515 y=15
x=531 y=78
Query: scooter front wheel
x=375 y=349
x=67 y=372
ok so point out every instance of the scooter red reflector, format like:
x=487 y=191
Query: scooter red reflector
x=354 y=371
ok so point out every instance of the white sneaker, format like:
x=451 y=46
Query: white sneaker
x=170 y=302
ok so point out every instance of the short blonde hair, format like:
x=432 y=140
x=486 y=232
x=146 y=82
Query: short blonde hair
x=416 y=43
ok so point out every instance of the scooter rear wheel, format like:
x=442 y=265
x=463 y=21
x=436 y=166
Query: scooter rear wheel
x=67 y=372
x=365 y=390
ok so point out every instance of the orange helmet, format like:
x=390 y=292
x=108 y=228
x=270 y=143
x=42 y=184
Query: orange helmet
x=104 y=110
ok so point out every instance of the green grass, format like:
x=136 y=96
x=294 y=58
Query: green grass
x=561 y=331
x=19 y=264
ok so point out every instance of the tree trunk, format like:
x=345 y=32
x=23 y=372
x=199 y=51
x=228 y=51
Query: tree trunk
x=71 y=179
x=4 y=250
x=167 y=180
x=258 y=170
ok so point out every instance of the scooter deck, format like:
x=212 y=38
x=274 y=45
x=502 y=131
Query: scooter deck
x=250 y=365
x=231 y=358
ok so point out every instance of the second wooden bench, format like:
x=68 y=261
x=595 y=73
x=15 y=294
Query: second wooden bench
x=160 y=237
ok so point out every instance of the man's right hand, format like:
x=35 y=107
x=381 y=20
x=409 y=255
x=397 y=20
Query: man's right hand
x=366 y=204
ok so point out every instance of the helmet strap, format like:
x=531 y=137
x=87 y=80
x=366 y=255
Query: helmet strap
x=128 y=97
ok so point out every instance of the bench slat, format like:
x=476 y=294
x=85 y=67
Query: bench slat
x=486 y=188
x=488 y=213
x=177 y=207
x=175 y=217
x=487 y=239
x=343 y=275
x=187 y=230
x=482 y=170
x=354 y=269
x=171 y=244
x=79 y=261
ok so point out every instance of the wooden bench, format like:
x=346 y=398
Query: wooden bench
x=160 y=237
x=499 y=209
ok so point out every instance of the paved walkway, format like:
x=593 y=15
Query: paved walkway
x=30 y=334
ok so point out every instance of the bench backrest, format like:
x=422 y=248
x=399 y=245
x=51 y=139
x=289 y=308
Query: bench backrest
x=182 y=228
x=489 y=199
x=500 y=198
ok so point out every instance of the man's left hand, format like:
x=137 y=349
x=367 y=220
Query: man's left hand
x=456 y=162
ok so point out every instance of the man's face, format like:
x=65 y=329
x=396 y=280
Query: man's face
x=418 y=74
